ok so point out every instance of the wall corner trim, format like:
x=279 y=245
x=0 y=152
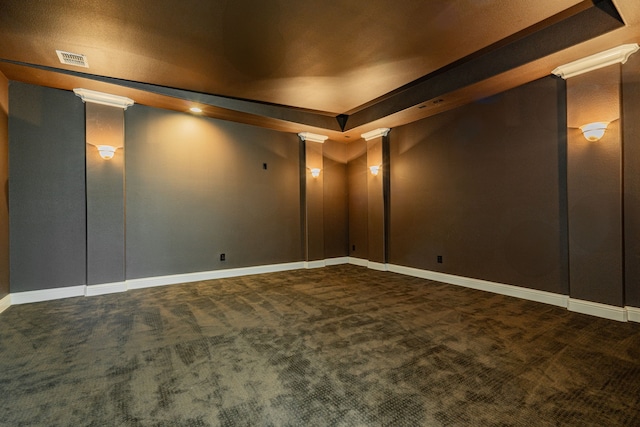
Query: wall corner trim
x=149 y=282
x=337 y=261
x=596 y=309
x=47 y=294
x=484 y=285
x=377 y=266
x=633 y=314
x=358 y=261
x=314 y=264
x=5 y=303
x=105 y=288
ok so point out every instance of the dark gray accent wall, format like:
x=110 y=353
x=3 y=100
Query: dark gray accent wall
x=314 y=202
x=4 y=190
x=336 y=200
x=46 y=188
x=631 y=177
x=357 y=176
x=375 y=197
x=481 y=186
x=196 y=188
x=595 y=189
x=105 y=195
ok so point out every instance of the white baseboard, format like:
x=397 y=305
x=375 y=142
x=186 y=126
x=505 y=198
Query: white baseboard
x=597 y=309
x=337 y=261
x=149 y=282
x=358 y=261
x=5 y=303
x=314 y=264
x=633 y=314
x=484 y=285
x=105 y=288
x=377 y=266
x=47 y=294
x=579 y=306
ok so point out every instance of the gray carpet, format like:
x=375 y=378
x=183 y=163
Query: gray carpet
x=338 y=346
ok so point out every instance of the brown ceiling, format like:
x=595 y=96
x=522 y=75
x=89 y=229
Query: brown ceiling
x=296 y=65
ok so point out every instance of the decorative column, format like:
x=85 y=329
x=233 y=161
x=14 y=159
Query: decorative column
x=377 y=196
x=594 y=183
x=104 y=115
x=312 y=198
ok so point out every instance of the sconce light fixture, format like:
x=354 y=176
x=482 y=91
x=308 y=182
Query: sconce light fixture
x=315 y=172
x=374 y=170
x=594 y=131
x=106 y=151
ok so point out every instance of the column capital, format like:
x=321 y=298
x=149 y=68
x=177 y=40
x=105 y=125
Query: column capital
x=375 y=133
x=103 y=98
x=313 y=137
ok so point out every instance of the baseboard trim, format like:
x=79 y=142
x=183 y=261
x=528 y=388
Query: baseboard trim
x=105 y=288
x=5 y=303
x=337 y=261
x=149 y=282
x=47 y=294
x=621 y=314
x=597 y=309
x=484 y=285
x=358 y=261
x=633 y=314
x=314 y=264
x=377 y=266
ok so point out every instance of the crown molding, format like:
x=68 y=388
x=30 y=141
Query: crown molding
x=616 y=55
x=313 y=137
x=103 y=98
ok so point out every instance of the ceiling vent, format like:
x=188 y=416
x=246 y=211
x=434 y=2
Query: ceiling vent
x=76 y=59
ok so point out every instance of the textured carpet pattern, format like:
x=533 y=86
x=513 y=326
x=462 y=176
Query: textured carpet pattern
x=338 y=346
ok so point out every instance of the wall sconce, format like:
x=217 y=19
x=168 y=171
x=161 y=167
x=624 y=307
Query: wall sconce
x=374 y=170
x=594 y=131
x=315 y=172
x=106 y=151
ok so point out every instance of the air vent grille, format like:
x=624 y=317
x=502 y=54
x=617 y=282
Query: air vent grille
x=76 y=59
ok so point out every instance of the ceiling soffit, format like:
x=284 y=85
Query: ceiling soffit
x=582 y=22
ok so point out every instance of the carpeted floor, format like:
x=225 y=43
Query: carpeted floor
x=337 y=346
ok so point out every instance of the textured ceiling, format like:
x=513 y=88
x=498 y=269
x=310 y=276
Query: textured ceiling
x=298 y=62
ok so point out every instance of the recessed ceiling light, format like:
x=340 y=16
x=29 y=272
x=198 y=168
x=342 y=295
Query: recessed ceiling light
x=195 y=110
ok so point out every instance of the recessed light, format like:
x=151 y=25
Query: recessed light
x=195 y=110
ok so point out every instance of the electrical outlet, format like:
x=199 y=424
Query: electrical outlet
x=264 y=166
x=439 y=259
x=223 y=257
x=353 y=248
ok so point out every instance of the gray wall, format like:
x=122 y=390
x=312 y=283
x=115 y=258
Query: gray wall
x=483 y=186
x=357 y=175
x=46 y=188
x=336 y=200
x=105 y=195
x=196 y=187
x=595 y=188
x=4 y=195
